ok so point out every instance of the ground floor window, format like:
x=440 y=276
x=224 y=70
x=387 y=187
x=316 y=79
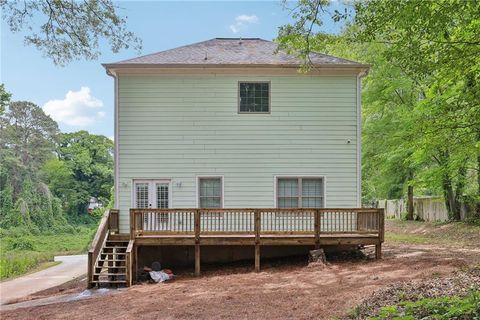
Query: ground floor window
x=210 y=192
x=300 y=192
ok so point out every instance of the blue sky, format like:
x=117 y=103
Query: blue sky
x=79 y=96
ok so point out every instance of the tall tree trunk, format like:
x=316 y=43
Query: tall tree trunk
x=410 y=203
x=460 y=188
x=449 y=195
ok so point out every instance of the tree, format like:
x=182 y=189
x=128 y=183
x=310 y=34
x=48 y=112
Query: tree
x=27 y=140
x=4 y=98
x=70 y=29
x=436 y=45
x=89 y=158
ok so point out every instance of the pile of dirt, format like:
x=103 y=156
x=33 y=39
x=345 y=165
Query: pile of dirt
x=459 y=283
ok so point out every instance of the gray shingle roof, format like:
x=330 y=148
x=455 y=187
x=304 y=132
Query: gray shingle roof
x=230 y=51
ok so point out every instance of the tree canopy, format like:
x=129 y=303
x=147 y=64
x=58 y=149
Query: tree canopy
x=69 y=30
x=421 y=101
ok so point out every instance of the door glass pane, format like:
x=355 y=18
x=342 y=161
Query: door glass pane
x=162 y=195
x=141 y=194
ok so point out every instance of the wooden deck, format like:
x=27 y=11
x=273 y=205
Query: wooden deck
x=246 y=227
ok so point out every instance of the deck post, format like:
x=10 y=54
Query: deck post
x=378 y=251
x=257 y=258
x=197 y=242
x=257 y=228
x=132 y=224
x=197 y=260
x=317 y=228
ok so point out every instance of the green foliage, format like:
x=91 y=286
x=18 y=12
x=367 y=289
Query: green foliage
x=421 y=99
x=70 y=29
x=22 y=251
x=4 y=98
x=449 y=307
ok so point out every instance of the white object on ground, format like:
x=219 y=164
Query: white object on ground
x=159 y=276
x=71 y=267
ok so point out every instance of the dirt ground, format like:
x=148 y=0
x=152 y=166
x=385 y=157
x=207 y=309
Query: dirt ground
x=281 y=291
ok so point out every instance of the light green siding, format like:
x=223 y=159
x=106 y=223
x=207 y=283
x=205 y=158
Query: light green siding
x=180 y=127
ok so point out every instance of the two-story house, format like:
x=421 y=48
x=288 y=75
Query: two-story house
x=225 y=142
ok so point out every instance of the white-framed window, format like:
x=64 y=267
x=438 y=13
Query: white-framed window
x=210 y=192
x=300 y=192
x=253 y=97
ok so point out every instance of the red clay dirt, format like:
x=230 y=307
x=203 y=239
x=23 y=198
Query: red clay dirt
x=282 y=292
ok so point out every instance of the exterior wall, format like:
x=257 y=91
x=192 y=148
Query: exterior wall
x=179 y=127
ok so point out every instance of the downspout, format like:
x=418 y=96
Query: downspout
x=359 y=136
x=116 y=182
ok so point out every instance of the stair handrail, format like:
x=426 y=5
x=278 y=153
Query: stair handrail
x=97 y=243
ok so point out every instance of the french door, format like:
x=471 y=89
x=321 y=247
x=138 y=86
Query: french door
x=153 y=194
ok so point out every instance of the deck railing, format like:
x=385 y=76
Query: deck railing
x=256 y=221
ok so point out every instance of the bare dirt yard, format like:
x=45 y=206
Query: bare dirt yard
x=289 y=289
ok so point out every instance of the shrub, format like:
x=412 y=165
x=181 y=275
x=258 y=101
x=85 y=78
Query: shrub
x=21 y=244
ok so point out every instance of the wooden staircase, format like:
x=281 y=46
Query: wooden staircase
x=110 y=258
x=111 y=266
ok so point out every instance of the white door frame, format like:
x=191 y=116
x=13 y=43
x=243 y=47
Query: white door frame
x=152 y=197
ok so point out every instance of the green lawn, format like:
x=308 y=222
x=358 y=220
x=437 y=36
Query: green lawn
x=23 y=253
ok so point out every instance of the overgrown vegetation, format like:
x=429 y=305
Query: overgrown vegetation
x=421 y=99
x=47 y=179
x=23 y=251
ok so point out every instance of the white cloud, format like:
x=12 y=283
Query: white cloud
x=242 y=22
x=78 y=109
x=248 y=19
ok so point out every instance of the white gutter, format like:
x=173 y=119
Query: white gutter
x=359 y=137
x=116 y=157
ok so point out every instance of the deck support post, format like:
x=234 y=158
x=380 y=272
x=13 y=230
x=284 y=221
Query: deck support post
x=317 y=228
x=257 y=229
x=257 y=258
x=196 y=219
x=197 y=260
x=378 y=251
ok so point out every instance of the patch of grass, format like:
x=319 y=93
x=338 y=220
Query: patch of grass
x=20 y=254
x=441 y=233
x=407 y=238
x=448 y=307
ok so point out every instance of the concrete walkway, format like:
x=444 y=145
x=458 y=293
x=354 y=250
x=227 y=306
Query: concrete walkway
x=71 y=267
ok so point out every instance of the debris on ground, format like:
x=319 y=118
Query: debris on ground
x=156 y=274
x=317 y=259
x=460 y=283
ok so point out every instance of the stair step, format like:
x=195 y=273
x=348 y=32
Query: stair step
x=111 y=267
x=110 y=260
x=109 y=274
x=116 y=253
x=114 y=247
x=109 y=281
x=125 y=241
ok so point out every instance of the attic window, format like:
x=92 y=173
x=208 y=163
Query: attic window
x=254 y=97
